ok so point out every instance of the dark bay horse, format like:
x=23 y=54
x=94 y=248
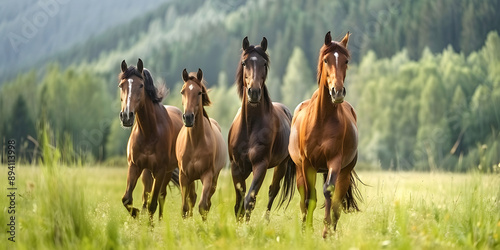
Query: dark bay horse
x=258 y=137
x=151 y=146
x=324 y=139
x=200 y=148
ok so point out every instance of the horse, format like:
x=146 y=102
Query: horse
x=258 y=137
x=200 y=148
x=324 y=139
x=151 y=145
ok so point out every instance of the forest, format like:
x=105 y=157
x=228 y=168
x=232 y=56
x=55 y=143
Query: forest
x=424 y=77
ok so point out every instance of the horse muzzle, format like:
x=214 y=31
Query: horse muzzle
x=337 y=96
x=254 y=95
x=127 y=119
x=188 y=119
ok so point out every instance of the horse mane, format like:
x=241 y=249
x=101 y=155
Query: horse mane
x=205 y=100
x=325 y=49
x=155 y=94
x=239 y=71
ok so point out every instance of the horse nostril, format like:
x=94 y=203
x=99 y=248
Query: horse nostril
x=184 y=117
x=343 y=91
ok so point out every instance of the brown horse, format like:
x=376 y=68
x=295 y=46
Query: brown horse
x=200 y=148
x=151 y=145
x=258 y=137
x=324 y=139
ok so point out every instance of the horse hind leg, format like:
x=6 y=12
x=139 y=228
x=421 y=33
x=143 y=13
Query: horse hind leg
x=343 y=185
x=239 y=183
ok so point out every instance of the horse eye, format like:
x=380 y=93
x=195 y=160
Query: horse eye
x=346 y=61
x=140 y=86
x=243 y=64
x=199 y=93
x=324 y=60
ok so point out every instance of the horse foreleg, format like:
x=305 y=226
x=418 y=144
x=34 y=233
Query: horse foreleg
x=328 y=190
x=147 y=182
x=185 y=189
x=239 y=183
x=301 y=187
x=310 y=203
x=274 y=188
x=259 y=172
x=206 y=194
x=127 y=200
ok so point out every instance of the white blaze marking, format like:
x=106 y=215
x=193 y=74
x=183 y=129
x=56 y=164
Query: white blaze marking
x=253 y=58
x=191 y=87
x=127 y=110
x=336 y=58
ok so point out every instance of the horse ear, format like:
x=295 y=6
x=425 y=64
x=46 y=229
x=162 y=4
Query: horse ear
x=328 y=38
x=345 y=39
x=140 y=66
x=263 y=44
x=185 y=75
x=246 y=44
x=124 y=66
x=199 y=75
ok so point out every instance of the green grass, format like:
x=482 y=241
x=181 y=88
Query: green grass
x=80 y=208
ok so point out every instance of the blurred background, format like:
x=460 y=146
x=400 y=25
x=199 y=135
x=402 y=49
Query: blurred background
x=424 y=76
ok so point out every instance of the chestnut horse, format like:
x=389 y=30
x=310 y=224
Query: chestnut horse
x=151 y=146
x=324 y=139
x=258 y=137
x=200 y=148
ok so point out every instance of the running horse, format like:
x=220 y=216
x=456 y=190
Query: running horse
x=151 y=146
x=324 y=139
x=200 y=148
x=258 y=137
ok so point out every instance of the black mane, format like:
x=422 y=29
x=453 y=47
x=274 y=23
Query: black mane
x=156 y=95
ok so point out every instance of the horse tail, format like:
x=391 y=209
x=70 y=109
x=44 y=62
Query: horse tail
x=288 y=188
x=175 y=178
x=350 y=201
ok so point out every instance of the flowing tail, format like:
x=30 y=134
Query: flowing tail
x=350 y=201
x=175 y=178
x=288 y=187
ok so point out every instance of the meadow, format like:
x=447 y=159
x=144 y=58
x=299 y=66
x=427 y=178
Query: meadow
x=80 y=208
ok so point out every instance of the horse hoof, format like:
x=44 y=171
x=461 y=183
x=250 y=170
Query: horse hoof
x=134 y=212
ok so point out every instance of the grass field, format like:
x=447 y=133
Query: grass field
x=80 y=208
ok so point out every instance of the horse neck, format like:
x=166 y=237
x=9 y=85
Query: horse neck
x=251 y=113
x=147 y=118
x=196 y=134
x=325 y=109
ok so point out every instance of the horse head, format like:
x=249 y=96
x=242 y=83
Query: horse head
x=194 y=96
x=332 y=66
x=253 y=68
x=132 y=92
